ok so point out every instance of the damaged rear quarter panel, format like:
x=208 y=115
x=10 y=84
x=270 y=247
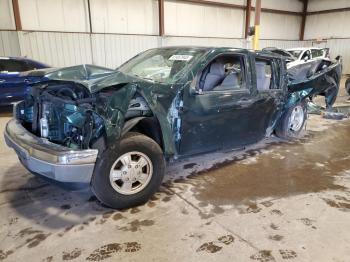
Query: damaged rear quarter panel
x=324 y=82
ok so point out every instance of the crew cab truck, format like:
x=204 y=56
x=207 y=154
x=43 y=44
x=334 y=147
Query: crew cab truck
x=116 y=132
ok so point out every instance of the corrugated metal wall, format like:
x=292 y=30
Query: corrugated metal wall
x=284 y=44
x=7 y=20
x=331 y=27
x=66 y=49
x=341 y=47
x=56 y=49
x=54 y=15
x=204 y=41
x=124 y=17
x=9 y=43
x=188 y=19
x=317 y=5
x=112 y=50
x=122 y=28
x=328 y=25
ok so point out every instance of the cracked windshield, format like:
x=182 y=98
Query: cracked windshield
x=161 y=65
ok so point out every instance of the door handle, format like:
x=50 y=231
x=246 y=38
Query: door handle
x=2 y=81
x=244 y=101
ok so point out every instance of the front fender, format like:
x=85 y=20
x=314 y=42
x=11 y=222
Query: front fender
x=113 y=109
x=159 y=103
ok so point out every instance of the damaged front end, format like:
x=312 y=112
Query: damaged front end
x=59 y=130
x=61 y=112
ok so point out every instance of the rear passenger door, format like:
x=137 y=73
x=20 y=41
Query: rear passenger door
x=271 y=86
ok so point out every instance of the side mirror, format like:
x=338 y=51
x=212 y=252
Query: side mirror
x=306 y=58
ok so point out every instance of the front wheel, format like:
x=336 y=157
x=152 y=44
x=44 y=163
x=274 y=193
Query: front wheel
x=130 y=175
x=292 y=121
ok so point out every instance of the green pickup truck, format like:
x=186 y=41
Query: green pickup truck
x=115 y=130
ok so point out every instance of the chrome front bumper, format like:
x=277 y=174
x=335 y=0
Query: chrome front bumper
x=54 y=161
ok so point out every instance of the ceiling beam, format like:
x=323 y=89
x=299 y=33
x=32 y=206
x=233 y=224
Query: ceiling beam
x=241 y=7
x=212 y=3
x=329 y=11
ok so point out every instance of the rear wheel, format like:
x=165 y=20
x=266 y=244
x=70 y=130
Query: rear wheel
x=131 y=175
x=292 y=121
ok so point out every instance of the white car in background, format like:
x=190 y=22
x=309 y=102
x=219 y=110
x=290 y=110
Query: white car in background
x=306 y=54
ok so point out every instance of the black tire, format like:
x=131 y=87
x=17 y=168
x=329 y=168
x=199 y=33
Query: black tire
x=331 y=93
x=101 y=185
x=283 y=129
x=347 y=86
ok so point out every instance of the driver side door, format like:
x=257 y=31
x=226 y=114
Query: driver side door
x=220 y=117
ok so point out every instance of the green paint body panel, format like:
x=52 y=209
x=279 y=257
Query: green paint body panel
x=209 y=120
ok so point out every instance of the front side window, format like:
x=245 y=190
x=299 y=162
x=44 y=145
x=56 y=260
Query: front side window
x=225 y=72
x=306 y=55
x=162 y=65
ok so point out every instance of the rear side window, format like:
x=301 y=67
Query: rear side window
x=10 y=65
x=264 y=74
x=268 y=73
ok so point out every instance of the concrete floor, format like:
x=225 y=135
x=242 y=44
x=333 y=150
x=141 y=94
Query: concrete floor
x=275 y=201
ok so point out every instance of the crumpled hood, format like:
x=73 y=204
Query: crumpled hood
x=92 y=77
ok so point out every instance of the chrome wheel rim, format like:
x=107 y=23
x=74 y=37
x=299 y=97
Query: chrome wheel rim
x=131 y=173
x=296 y=119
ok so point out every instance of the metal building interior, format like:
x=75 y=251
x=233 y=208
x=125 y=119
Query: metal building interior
x=228 y=140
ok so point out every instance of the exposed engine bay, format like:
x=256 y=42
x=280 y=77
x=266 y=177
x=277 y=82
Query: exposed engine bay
x=66 y=113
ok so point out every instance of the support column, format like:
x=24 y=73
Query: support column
x=16 y=14
x=257 y=25
x=247 y=17
x=161 y=17
x=303 y=20
x=90 y=33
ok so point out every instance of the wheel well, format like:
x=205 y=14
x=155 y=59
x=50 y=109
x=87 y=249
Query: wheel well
x=150 y=127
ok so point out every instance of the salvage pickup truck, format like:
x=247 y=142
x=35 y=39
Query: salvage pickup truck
x=115 y=131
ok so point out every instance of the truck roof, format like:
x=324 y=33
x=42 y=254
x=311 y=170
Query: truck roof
x=304 y=48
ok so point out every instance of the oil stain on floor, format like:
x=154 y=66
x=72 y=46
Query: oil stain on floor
x=305 y=166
